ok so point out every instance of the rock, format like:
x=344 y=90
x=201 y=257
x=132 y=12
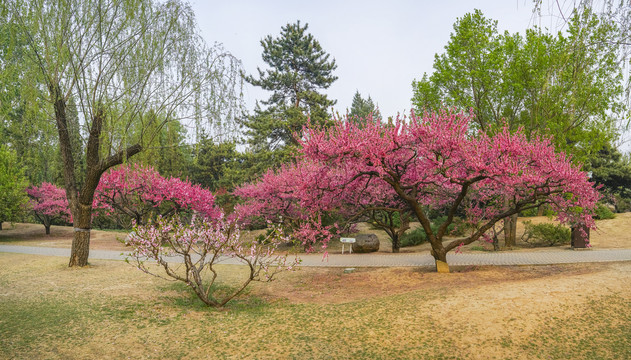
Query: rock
x=366 y=243
x=349 y=270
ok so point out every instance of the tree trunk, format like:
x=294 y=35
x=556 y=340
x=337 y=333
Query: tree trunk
x=513 y=229
x=440 y=258
x=46 y=221
x=396 y=244
x=0 y=225
x=510 y=231
x=81 y=239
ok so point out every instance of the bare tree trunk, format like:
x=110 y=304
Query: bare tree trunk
x=510 y=228
x=81 y=240
x=47 y=227
x=397 y=233
x=0 y=225
x=396 y=243
x=440 y=258
x=513 y=229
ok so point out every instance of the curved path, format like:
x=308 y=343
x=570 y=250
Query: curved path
x=391 y=260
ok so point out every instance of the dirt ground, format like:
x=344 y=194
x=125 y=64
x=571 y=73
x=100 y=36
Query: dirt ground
x=611 y=234
x=481 y=312
x=60 y=237
x=473 y=312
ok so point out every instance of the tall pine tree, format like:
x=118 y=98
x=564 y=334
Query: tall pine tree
x=298 y=69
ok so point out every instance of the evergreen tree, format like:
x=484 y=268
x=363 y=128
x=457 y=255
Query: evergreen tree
x=361 y=109
x=298 y=69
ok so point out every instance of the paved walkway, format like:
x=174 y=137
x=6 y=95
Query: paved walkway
x=392 y=260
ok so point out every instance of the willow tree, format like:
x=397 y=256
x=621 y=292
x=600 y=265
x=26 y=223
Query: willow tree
x=131 y=66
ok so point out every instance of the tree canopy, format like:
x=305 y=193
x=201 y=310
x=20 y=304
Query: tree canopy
x=362 y=108
x=567 y=85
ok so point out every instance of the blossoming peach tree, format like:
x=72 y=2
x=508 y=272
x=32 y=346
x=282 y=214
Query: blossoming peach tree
x=140 y=193
x=49 y=203
x=431 y=162
x=190 y=252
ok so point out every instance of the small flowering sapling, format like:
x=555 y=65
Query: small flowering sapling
x=49 y=203
x=190 y=253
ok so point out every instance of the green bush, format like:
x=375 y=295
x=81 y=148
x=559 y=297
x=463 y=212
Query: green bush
x=418 y=235
x=528 y=213
x=623 y=204
x=414 y=237
x=546 y=234
x=603 y=212
x=535 y=212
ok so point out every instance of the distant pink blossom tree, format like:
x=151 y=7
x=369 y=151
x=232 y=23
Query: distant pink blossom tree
x=431 y=162
x=190 y=252
x=297 y=196
x=141 y=193
x=49 y=203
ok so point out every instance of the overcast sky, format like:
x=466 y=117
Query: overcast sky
x=380 y=47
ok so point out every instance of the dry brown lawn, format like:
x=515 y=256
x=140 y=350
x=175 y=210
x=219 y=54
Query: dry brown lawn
x=112 y=310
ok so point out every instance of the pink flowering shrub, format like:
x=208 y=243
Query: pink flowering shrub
x=141 y=193
x=423 y=164
x=189 y=253
x=49 y=203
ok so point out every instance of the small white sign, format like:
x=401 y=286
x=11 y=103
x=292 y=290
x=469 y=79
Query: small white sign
x=347 y=241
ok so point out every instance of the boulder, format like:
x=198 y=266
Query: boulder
x=366 y=243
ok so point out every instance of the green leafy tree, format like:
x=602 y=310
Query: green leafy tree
x=24 y=124
x=361 y=108
x=567 y=86
x=131 y=67
x=614 y=11
x=298 y=70
x=13 y=183
x=168 y=152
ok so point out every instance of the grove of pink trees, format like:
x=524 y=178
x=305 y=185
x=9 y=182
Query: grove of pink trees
x=48 y=203
x=420 y=164
x=141 y=193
